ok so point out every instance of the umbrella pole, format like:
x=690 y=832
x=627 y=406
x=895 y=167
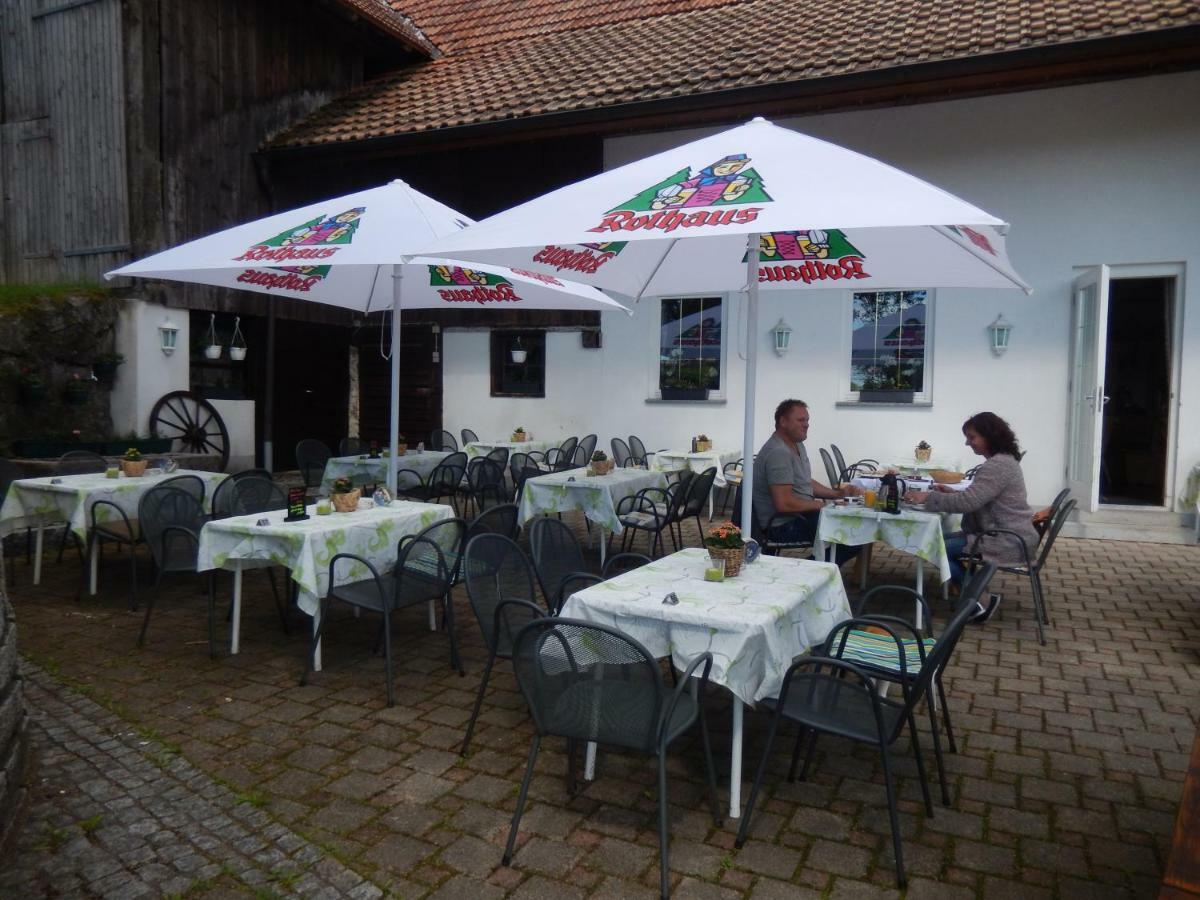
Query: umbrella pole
x=394 y=425
x=752 y=245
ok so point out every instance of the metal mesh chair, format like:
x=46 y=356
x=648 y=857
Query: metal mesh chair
x=499 y=456
x=80 y=462
x=426 y=567
x=587 y=446
x=192 y=484
x=311 y=457
x=825 y=695
x=1042 y=527
x=442 y=440
x=768 y=537
x=223 y=495
x=698 y=490
x=443 y=481
x=637 y=450
x=252 y=493
x=832 y=472
x=847 y=472
x=469 y=437
x=585 y=682
x=170 y=520
x=484 y=483
x=500 y=587
x=653 y=511
x=556 y=556
x=620 y=452
x=616 y=565
x=563 y=456
x=500 y=519
x=733 y=473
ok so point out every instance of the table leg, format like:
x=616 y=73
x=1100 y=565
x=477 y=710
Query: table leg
x=37 y=555
x=235 y=627
x=317 y=627
x=589 y=764
x=864 y=566
x=432 y=616
x=93 y=565
x=603 y=534
x=735 y=761
x=819 y=550
x=711 y=495
x=920 y=590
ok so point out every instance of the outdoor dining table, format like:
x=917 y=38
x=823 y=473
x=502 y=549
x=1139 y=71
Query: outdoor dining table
x=38 y=502
x=596 y=495
x=754 y=625
x=364 y=470
x=306 y=547
x=675 y=460
x=483 y=448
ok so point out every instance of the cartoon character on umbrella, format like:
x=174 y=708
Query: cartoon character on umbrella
x=719 y=183
x=337 y=229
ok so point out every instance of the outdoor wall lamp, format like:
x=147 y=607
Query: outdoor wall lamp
x=1000 y=331
x=168 y=333
x=781 y=334
x=519 y=353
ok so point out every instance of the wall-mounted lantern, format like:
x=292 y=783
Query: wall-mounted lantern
x=781 y=336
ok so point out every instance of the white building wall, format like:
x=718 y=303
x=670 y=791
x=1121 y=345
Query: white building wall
x=147 y=373
x=1101 y=173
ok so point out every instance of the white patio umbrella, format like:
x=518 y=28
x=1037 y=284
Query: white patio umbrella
x=356 y=251
x=757 y=206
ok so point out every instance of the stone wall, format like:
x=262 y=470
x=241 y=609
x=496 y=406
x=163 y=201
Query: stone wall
x=52 y=336
x=14 y=723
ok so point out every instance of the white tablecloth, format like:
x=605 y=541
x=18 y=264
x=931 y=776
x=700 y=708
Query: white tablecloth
x=673 y=460
x=306 y=547
x=483 y=448
x=754 y=625
x=35 y=501
x=866 y=483
x=911 y=531
x=374 y=471
x=596 y=495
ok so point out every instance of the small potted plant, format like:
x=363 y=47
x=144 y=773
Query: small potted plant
x=703 y=443
x=133 y=464
x=77 y=391
x=726 y=548
x=922 y=452
x=104 y=367
x=601 y=464
x=519 y=436
x=31 y=387
x=345 y=495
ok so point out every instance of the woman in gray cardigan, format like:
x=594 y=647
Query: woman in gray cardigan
x=995 y=500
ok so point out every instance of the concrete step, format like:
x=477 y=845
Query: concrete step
x=1116 y=531
x=1124 y=515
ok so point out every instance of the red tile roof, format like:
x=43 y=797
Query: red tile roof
x=553 y=56
x=389 y=19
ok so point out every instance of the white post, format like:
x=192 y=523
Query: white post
x=394 y=426
x=752 y=339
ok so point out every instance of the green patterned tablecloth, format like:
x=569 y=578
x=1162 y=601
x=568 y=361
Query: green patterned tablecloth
x=754 y=625
x=673 y=460
x=483 y=448
x=35 y=501
x=596 y=495
x=374 y=471
x=912 y=531
x=306 y=547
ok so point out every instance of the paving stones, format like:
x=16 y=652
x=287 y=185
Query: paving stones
x=225 y=778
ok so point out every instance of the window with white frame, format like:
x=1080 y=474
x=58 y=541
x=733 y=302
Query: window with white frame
x=891 y=343
x=690 y=344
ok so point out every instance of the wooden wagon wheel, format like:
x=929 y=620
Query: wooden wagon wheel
x=192 y=424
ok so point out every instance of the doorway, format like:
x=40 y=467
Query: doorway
x=1137 y=377
x=420 y=382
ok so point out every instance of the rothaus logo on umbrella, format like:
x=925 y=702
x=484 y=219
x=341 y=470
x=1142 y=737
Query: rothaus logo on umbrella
x=818 y=255
x=727 y=182
x=586 y=258
x=458 y=285
x=308 y=241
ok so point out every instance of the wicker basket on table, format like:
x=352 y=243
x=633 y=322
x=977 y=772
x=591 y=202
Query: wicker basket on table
x=732 y=559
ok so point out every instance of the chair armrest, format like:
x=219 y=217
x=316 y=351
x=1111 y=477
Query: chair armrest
x=175 y=530
x=506 y=606
x=358 y=559
x=698 y=690
x=845 y=627
x=582 y=579
x=998 y=532
x=860 y=608
x=413 y=472
x=100 y=525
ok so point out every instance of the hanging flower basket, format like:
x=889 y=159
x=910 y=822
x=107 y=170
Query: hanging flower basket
x=237 y=343
x=212 y=350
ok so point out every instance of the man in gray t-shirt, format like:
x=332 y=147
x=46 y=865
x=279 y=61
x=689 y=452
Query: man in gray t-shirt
x=783 y=482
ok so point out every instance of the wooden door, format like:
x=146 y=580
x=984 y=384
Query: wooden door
x=420 y=384
x=312 y=387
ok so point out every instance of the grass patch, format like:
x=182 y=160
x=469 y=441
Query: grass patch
x=52 y=839
x=89 y=825
x=19 y=298
x=257 y=799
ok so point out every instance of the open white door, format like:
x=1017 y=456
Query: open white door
x=1089 y=337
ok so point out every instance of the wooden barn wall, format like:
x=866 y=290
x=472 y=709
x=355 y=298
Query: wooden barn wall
x=62 y=148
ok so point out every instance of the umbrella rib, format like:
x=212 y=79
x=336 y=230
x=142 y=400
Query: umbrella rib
x=670 y=246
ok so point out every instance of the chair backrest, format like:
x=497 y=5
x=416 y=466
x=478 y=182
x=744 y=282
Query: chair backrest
x=442 y=440
x=624 y=562
x=697 y=492
x=1044 y=526
x=166 y=517
x=834 y=474
x=499 y=519
x=556 y=554
x=80 y=462
x=469 y=437
x=588 y=445
x=223 y=494
x=193 y=484
x=637 y=449
x=448 y=474
x=734 y=469
x=620 y=452
x=428 y=564
x=589 y=683
x=350 y=446
x=311 y=456
x=968 y=606
x=1056 y=525
x=255 y=494
x=838 y=459
x=485 y=478
x=499 y=456
x=517 y=462
x=496 y=571
x=529 y=470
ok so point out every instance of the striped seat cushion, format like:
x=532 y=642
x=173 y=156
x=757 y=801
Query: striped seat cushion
x=879 y=650
x=640 y=520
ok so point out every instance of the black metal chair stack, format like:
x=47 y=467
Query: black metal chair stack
x=442 y=441
x=443 y=482
x=469 y=437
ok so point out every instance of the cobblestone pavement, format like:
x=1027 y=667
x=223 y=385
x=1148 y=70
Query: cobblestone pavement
x=1070 y=763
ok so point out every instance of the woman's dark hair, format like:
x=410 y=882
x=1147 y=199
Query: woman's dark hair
x=997 y=433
